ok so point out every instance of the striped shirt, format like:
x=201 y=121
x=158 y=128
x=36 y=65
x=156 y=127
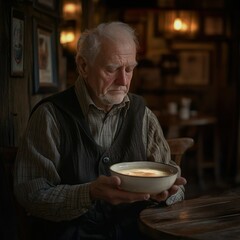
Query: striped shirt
x=37 y=182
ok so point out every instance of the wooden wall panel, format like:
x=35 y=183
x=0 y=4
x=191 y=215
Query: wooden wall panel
x=4 y=83
x=16 y=94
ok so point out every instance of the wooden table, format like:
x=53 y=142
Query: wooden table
x=204 y=218
x=173 y=124
x=196 y=128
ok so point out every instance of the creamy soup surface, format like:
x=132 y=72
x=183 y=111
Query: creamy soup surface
x=144 y=172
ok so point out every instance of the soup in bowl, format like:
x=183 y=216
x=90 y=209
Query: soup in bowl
x=145 y=176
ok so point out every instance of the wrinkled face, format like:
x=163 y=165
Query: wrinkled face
x=108 y=78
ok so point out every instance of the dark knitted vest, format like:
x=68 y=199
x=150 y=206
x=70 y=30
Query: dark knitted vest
x=83 y=160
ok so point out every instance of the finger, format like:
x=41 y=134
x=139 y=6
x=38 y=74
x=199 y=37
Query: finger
x=112 y=180
x=173 y=190
x=161 y=196
x=180 y=181
x=115 y=181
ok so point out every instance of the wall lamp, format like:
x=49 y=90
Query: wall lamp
x=178 y=22
x=67 y=37
x=185 y=22
x=70 y=26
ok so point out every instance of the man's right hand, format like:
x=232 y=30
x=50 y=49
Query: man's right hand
x=108 y=189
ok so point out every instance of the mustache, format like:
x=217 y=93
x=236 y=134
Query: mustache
x=124 y=89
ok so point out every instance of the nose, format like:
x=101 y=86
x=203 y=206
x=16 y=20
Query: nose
x=122 y=78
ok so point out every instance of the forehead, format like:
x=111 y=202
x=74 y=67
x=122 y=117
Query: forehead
x=123 y=49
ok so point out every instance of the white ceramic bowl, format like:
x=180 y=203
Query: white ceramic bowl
x=150 y=180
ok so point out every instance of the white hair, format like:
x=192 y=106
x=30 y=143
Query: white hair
x=90 y=41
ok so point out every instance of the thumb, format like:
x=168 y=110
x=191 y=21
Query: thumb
x=114 y=180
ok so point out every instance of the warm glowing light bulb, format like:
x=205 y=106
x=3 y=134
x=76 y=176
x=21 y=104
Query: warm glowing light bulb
x=178 y=24
x=69 y=8
x=67 y=37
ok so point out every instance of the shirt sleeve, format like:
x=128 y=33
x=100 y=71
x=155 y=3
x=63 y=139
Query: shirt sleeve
x=157 y=146
x=158 y=150
x=37 y=184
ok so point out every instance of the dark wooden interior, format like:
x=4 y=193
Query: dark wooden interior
x=156 y=77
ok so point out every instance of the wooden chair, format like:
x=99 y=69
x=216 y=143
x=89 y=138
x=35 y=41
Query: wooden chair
x=178 y=147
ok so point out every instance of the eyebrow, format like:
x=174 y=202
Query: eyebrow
x=118 y=65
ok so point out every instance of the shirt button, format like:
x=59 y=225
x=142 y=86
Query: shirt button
x=106 y=159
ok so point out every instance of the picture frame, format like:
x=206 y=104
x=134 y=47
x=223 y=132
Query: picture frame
x=17 y=43
x=45 y=58
x=194 y=67
x=196 y=61
x=214 y=25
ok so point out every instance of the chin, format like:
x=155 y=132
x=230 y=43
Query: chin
x=116 y=99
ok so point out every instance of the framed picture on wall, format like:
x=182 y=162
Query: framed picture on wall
x=45 y=58
x=196 y=62
x=17 y=43
x=215 y=25
x=194 y=67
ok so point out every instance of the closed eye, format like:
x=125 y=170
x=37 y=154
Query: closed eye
x=129 y=69
x=111 y=69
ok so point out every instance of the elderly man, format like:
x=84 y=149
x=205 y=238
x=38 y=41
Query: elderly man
x=62 y=173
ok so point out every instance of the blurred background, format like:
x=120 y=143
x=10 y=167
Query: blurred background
x=188 y=69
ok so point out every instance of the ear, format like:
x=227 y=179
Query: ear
x=82 y=67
